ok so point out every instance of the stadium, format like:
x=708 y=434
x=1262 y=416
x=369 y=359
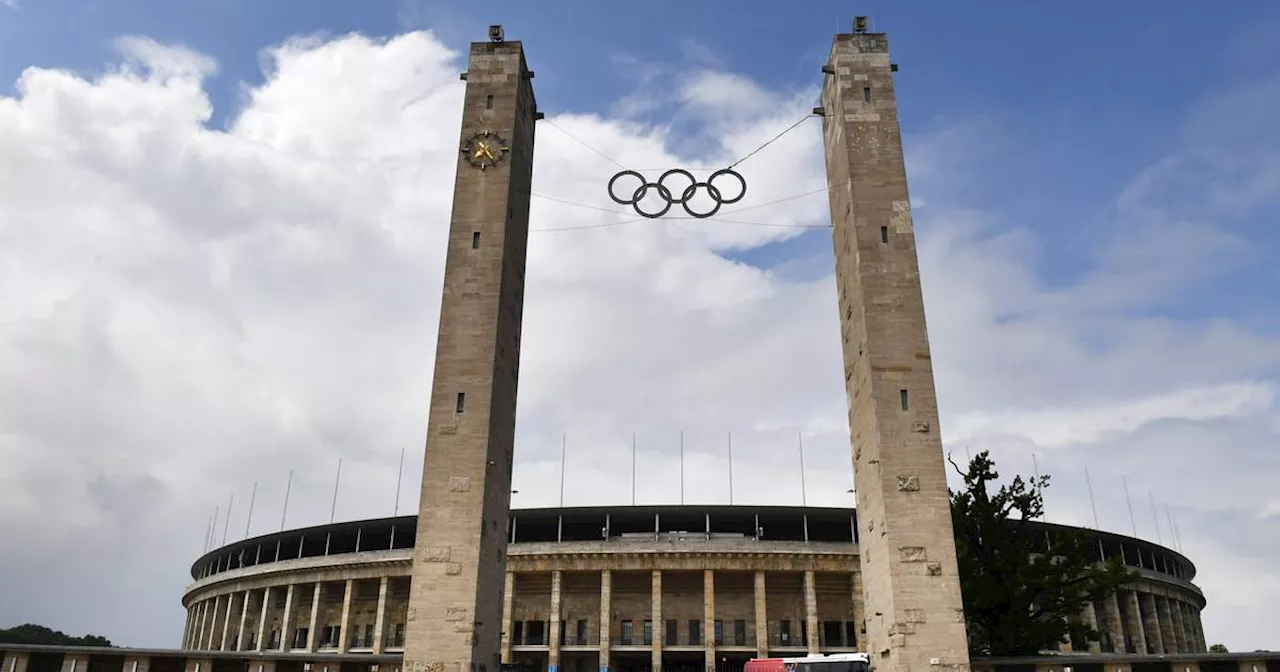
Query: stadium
x=625 y=588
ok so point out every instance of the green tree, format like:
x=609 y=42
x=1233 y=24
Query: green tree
x=1018 y=598
x=1218 y=648
x=30 y=633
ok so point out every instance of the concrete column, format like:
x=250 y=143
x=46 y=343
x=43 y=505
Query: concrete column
x=1179 y=633
x=186 y=630
x=316 y=594
x=137 y=664
x=380 y=618
x=198 y=640
x=1151 y=623
x=1253 y=665
x=811 y=611
x=286 y=622
x=343 y=635
x=1133 y=622
x=859 y=611
x=508 y=597
x=213 y=622
x=244 y=620
x=1192 y=646
x=15 y=661
x=261 y=643
x=1199 y=626
x=73 y=662
x=226 y=622
x=1167 y=640
x=1089 y=616
x=606 y=610
x=655 y=615
x=553 y=652
x=1111 y=610
x=709 y=618
x=762 y=617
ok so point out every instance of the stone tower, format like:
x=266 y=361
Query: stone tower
x=914 y=616
x=455 y=607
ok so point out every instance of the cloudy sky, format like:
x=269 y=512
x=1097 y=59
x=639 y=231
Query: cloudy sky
x=221 y=249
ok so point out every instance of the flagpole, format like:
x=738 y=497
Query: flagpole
x=803 y=497
x=252 y=499
x=284 y=512
x=226 y=522
x=730 y=434
x=564 y=440
x=682 y=467
x=633 y=467
x=1132 y=521
x=399 y=478
x=1155 y=518
x=334 y=509
x=1092 y=503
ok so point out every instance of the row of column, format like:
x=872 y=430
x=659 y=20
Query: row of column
x=1151 y=623
x=658 y=634
x=202 y=620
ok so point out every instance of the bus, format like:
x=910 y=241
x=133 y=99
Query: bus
x=835 y=662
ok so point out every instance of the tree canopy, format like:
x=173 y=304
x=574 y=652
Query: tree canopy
x=1023 y=588
x=30 y=633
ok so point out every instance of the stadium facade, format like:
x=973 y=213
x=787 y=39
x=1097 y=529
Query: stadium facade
x=626 y=588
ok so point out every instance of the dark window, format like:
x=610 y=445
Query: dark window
x=299 y=638
x=804 y=633
x=517 y=633
x=399 y=638
x=648 y=632
x=563 y=632
x=695 y=633
x=368 y=635
x=902 y=394
x=673 y=632
x=719 y=632
x=851 y=633
x=740 y=632
x=625 y=639
x=866 y=94
x=784 y=633
x=533 y=633
x=884 y=235
x=831 y=633
x=582 y=632
x=475 y=240
x=462 y=401
x=488 y=102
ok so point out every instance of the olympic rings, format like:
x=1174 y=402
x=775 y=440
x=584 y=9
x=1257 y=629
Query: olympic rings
x=686 y=194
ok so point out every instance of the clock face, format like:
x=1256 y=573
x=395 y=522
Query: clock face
x=484 y=149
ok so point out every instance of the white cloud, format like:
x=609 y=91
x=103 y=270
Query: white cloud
x=184 y=311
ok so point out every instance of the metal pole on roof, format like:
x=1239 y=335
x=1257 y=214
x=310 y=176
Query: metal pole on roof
x=633 y=467
x=1089 y=482
x=334 y=509
x=682 y=467
x=249 y=519
x=1155 y=518
x=803 y=496
x=564 y=440
x=227 y=521
x=730 y=433
x=285 y=511
x=1132 y=521
x=399 y=477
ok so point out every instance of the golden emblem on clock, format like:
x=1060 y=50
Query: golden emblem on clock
x=485 y=149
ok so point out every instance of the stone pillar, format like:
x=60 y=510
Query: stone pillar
x=709 y=618
x=380 y=618
x=137 y=664
x=811 y=612
x=286 y=621
x=1089 y=616
x=606 y=611
x=553 y=653
x=345 y=625
x=186 y=630
x=74 y=662
x=226 y=621
x=213 y=623
x=1114 y=629
x=1199 y=626
x=762 y=617
x=1253 y=666
x=1179 y=632
x=1151 y=623
x=1133 y=622
x=261 y=644
x=508 y=596
x=15 y=661
x=244 y=620
x=198 y=638
x=859 y=613
x=316 y=594
x=655 y=600
x=1167 y=640
x=199 y=665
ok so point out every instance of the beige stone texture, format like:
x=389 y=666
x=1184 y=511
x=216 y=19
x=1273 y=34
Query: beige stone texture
x=908 y=559
x=454 y=615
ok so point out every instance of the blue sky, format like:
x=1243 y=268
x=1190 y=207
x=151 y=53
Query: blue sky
x=1096 y=187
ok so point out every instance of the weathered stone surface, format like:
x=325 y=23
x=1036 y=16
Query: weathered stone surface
x=892 y=404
